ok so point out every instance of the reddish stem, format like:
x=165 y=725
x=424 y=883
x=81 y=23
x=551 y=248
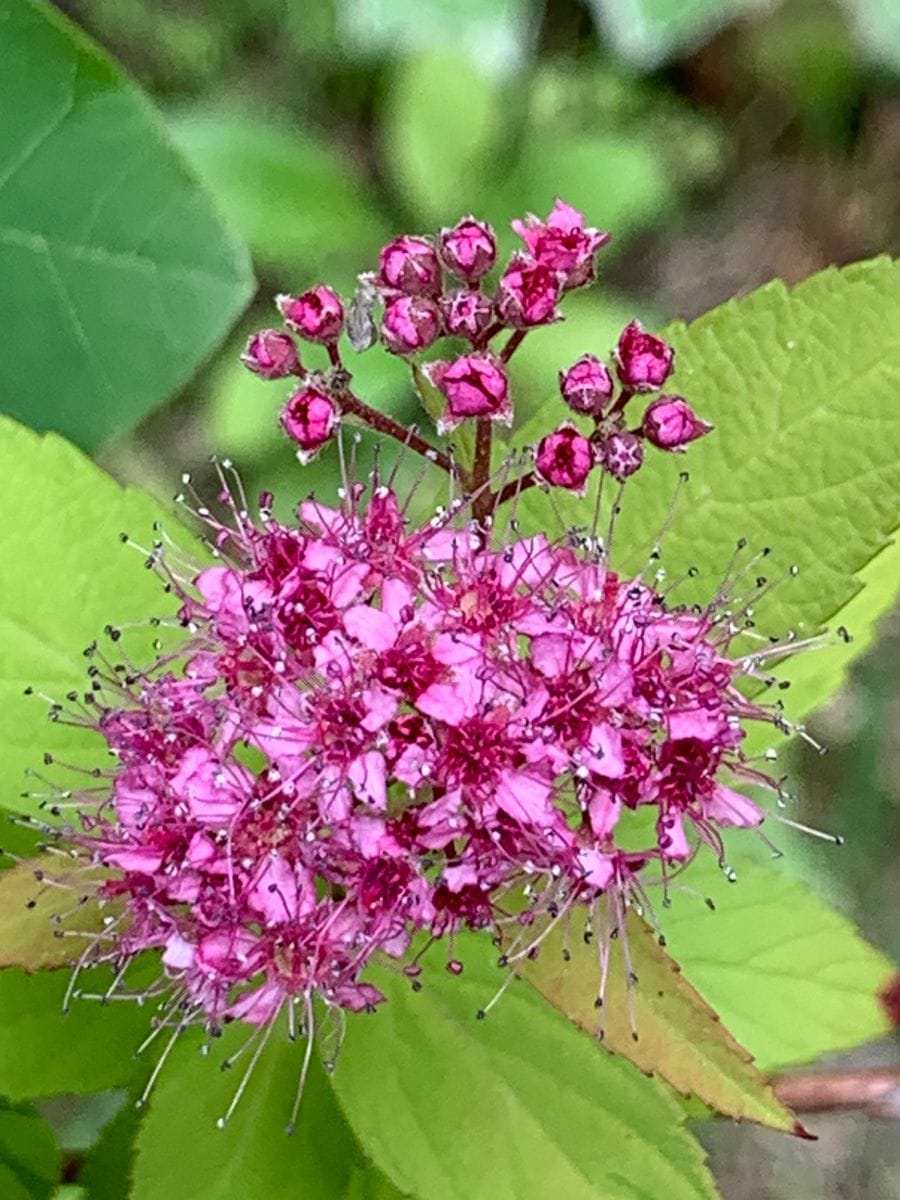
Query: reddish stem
x=510 y=490
x=483 y=505
x=348 y=403
x=515 y=341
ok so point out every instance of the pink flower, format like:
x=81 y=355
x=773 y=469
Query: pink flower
x=271 y=354
x=309 y=418
x=317 y=315
x=467 y=314
x=565 y=458
x=586 y=386
x=527 y=294
x=475 y=386
x=670 y=423
x=644 y=362
x=562 y=242
x=410 y=324
x=621 y=454
x=410 y=265
x=468 y=249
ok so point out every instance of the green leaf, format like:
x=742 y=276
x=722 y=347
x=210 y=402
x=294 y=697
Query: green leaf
x=439 y=125
x=302 y=208
x=520 y=1104
x=117 y=276
x=791 y=978
x=109 y=1163
x=35 y=896
x=802 y=386
x=680 y=1038
x=67 y=545
x=252 y=1156
x=29 y=1156
x=44 y=1052
x=647 y=32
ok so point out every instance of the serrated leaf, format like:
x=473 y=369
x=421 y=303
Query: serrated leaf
x=115 y=286
x=791 y=978
x=252 y=1156
x=679 y=1037
x=34 y=897
x=521 y=1104
x=44 y=1052
x=802 y=387
x=29 y=1156
x=66 y=575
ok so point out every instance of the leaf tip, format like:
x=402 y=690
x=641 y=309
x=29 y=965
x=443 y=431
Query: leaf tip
x=801 y=1132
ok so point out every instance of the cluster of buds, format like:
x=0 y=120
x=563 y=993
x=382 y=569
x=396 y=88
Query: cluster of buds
x=375 y=728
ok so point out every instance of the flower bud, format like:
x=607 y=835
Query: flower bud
x=565 y=458
x=587 y=386
x=468 y=249
x=475 y=385
x=644 y=362
x=271 y=354
x=527 y=294
x=622 y=454
x=317 y=315
x=410 y=324
x=467 y=314
x=411 y=265
x=562 y=242
x=309 y=418
x=670 y=423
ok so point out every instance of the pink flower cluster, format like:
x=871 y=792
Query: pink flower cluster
x=376 y=730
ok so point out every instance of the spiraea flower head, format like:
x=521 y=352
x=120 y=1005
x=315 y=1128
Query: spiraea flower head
x=374 y=726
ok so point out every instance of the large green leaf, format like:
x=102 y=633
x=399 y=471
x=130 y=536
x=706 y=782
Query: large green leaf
x=678 y=1036
x=29 y=1156
x=791 y=978
x=44 y=1051
x=520 y=1104
x=802 y=386
x=302 y=207
x=117 y=276
x=66 y=575
x=252 y=1156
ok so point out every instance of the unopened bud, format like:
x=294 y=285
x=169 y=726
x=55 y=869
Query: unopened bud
x=467 y=314
x=587 y=386
x=410 y=324
x=670 y=423
x=644 y=362
x=475 y=386
x=468 y=249
x=317 y=315
x=410 y=264
x=309 y=418
x=271 y=354
x=565 y=458
x=527 y=294
x=621 y=454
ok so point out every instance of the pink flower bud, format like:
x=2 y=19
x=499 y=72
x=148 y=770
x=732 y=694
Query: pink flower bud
x=621 y=454
x=565 y=458
x=562 y=243
x=586 y=386
x=411 y=265
x=468 y=249
x=271 y=354
x=467 y=314
x=527 y=294
x=670 y=423
x=644 y=362
x=309 y=418
x=410 y=324
x=316 y=315
x=475 y=386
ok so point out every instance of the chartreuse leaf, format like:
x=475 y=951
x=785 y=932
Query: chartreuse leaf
x=44 y=1051
x=791 y=978
x=802 y=386
x=66 y=574
x=252 y=1156
x=521 y=1104
x=116 y=284
x=37 y=897
x=29 y=1156
x=678 y=1036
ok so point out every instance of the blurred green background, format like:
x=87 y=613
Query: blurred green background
x=725 y=142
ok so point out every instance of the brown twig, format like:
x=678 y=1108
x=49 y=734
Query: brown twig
x=875 y=1092
x=349 y=403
